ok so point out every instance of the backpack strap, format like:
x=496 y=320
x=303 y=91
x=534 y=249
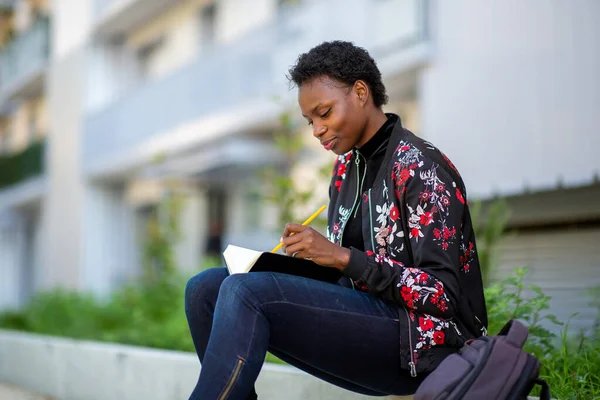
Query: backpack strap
x=545 y=392
x=515 y=332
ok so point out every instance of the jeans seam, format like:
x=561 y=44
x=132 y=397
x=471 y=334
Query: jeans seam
x=278 y=286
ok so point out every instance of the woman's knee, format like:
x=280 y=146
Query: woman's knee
x=251 y=288
x=204 y=285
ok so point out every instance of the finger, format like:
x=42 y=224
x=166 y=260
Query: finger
x=297 y=250
x=293 y=228
x=293 y=239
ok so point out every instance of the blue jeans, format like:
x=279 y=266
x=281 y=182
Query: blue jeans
x=345 y=337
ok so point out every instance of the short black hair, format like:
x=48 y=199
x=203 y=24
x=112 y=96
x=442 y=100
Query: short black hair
x=342 y=61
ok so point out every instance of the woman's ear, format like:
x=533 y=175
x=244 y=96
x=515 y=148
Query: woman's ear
x=361 y=90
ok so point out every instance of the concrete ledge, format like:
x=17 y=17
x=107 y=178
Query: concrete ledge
x=67 y=369
x=10 y=392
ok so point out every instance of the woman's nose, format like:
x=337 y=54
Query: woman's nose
x=319 y=130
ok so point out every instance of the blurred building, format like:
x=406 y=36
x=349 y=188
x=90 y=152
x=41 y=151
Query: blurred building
x=100 y=99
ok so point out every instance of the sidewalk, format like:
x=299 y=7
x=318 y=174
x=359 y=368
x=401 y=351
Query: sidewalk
x=10 y=392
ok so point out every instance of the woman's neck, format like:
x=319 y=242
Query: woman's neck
x=375 y=122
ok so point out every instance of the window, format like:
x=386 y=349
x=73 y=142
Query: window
x=207 y=26
x=217 y=199
x=286 y=3
x=32 y=127
x=147 y=55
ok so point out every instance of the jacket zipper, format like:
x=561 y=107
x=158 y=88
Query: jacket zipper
x=371 y=222
x=362 y=182
x=411 y=363
x=456 y=328
x=359 y=184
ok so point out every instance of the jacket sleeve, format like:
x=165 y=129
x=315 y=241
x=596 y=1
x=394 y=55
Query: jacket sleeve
x=432 y=209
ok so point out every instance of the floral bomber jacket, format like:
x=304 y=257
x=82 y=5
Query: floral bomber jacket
x=420 y=246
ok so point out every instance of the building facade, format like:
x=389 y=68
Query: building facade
x=114 y=96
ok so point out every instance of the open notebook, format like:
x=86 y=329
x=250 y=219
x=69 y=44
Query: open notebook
x=240 y=260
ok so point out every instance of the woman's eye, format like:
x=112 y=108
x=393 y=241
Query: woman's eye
x=309 y=123
x=326 y=113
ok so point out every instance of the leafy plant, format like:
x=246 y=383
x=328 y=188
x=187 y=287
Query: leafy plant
x=513 y=299
x=570 y=365
x=279 y=187
x=489 y=231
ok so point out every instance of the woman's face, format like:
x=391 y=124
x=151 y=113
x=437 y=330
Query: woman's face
x=335 y=111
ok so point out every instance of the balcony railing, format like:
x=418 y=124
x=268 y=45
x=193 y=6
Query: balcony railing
x=18 y=167
x=25 y=54
x=251 y=69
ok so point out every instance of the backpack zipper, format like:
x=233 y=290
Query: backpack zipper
x=411 y=363
x=475 y=374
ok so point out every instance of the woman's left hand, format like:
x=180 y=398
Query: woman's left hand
x=305 y=242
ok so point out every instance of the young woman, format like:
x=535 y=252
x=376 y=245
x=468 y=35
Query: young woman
x=400 y=232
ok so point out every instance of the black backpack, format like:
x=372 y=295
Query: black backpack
x=489 y=367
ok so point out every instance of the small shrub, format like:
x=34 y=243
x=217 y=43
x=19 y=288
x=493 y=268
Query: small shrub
x=570 y=366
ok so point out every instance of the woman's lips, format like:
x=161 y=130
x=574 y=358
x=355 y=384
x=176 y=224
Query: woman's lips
x=328 y=145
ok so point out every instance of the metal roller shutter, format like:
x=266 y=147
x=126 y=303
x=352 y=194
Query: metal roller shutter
x=565 y=263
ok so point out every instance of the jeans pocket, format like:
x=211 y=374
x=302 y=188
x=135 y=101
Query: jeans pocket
x=234 y=376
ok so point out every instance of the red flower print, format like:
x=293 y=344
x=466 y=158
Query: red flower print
x=426 y=218
x=338 y=184
x=459 y=196
x=438 y=337
x=443 y=306
x=414 y=232
x=348 y=156
x=341 y=169
x=423 y=277
x=425 y=323
x=466 y=268
x=441 y=188
x=404 y=148
x=404 y=175
x=413 y=166
x=445 y=245
x=424 y=195
x=471 y=245
x=447 y=234
x=436 y=233
x=336 y=228
x=369 y=253
x=445 y=201
x=394 y=213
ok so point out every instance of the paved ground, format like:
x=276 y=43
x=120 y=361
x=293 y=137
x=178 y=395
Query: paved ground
x=9 y=392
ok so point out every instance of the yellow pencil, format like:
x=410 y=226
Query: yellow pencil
x=308 y=221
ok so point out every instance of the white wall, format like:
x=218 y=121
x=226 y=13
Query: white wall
x=513 y=91
x=236 y=17
x=71 y=25
x=11 y=257
x=110 y=250
x=63 y=206
x=194 y=228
